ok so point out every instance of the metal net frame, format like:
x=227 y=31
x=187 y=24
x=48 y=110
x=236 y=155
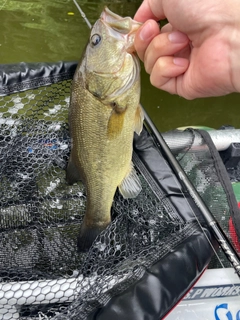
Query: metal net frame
x=42 y=274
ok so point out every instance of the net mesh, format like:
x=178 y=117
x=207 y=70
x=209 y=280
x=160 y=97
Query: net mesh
x=205 y=169
x=40 y=216
x=42 y=274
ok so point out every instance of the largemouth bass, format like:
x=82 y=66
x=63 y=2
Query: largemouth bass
x=104 y=113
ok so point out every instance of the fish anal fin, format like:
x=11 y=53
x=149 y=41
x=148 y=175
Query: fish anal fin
x=72 y=173
x=130 y=187
x=139 y=117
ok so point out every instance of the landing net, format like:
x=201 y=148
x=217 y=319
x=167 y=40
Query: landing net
x=42 y=274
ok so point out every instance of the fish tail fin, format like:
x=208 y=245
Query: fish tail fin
x=87 y=236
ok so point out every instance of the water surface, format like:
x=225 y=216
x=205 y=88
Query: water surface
x=49 y=31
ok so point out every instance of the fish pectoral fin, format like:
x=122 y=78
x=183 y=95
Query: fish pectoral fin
x=72 y=173
x=130 y=187
x=139 y=117
x=115 y=124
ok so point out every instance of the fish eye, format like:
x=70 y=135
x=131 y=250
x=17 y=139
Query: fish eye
x=95 y=39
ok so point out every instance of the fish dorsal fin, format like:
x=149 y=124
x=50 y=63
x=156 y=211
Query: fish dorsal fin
x=139 y=117
x=130 y=187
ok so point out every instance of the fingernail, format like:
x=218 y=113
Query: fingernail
x=146 y=32
x=177 y=37
x=181 y=62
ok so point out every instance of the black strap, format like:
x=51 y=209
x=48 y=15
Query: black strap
x=224 y=180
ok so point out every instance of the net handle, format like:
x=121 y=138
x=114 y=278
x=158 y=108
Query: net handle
x=212 y=223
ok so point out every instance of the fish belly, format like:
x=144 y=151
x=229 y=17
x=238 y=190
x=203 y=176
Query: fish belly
x=100 y=160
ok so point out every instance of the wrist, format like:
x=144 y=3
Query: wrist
x=234 y=45
x=235 y=57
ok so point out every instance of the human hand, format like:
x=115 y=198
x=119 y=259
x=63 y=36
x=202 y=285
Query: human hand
x=197 y=54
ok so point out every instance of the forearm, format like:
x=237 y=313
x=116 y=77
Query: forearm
x=235 y=57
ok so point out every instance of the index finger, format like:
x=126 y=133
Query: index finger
x=150 y=9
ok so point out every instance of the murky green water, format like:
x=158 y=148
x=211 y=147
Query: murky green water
x=43 y=30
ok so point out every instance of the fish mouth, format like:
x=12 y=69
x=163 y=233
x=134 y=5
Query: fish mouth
x=124 y=27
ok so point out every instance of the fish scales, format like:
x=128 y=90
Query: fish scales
x=104 y=113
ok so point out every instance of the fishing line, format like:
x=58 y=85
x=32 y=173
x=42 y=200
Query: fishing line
x=82 y=14
x=4 y=4
x=220 y=236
